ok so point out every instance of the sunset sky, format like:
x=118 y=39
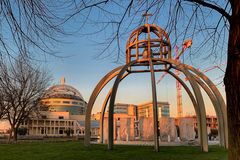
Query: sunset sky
x=83 y=71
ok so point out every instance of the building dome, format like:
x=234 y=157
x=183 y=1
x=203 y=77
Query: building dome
x=63 y=91
x=64 y=98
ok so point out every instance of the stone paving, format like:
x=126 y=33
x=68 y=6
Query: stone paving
x=151 y=143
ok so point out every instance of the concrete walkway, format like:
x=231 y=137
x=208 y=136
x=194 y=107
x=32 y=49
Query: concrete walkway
x=151 y=143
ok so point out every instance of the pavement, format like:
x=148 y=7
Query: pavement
x=151 y=143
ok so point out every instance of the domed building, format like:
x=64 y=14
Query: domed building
x=64 y=98
x=62 y=114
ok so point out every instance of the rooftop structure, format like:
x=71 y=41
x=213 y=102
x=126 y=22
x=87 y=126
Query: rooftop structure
x=63 y=90
x=64 y=98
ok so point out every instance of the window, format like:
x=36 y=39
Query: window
x=66 y=102
x=60 y=117
x=56 y=101
x=61 y=131
x=74 y=102
x=44 y=117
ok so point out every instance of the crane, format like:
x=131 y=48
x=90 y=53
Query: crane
x=186 y=45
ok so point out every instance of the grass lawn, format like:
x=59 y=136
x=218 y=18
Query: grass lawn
x=76 y=151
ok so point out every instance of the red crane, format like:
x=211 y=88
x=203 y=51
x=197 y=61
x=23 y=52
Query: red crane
x=186 y=45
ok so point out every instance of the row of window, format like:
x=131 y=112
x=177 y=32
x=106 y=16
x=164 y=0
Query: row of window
x=65 y=102
x=73 y=110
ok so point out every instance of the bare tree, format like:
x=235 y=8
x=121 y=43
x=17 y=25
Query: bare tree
x=22 y=86
x=214 y=23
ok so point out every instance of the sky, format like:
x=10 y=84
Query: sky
x=83 y=71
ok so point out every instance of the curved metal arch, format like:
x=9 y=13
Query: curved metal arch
x=219 y=104
x=192 y=99
x=112 y=102
x=216 y=105
x=185 y=87
x=104 y=108
x=108 y=77
x=193 y=84
x=200 y=102
x=171 y=73
x=219 y=98
x=219 y=111
x=197 y=93
x=215 y=102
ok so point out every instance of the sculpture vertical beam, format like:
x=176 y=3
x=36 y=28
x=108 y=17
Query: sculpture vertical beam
x=155 y=107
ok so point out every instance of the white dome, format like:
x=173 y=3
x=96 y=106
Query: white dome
x=63 y=91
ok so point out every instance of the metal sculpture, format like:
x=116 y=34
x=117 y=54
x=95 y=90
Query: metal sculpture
x=148 y=49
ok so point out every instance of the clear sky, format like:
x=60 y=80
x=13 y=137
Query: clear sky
x=83 y=71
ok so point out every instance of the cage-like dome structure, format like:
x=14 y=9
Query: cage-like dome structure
x=148 y=49
x=148 y=41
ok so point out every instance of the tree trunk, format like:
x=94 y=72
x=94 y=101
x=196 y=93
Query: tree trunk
x=232 y=83
x=15 y=134
x=10 y=135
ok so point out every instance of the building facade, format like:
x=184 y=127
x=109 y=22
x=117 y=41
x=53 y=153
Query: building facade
x=211 y=121
x=146 y=109
x=64 y=98
x=63 y=114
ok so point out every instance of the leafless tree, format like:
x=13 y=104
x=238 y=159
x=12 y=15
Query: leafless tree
x=22 y=86
x=213 y=23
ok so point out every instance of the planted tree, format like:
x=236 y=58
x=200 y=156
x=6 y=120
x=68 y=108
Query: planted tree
x=22 y=85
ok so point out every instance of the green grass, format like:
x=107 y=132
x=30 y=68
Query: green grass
x=76 y=151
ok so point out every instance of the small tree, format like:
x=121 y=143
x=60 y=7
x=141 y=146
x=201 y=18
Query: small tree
x=22 y=85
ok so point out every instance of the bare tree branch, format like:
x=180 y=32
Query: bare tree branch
x=212 y=6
